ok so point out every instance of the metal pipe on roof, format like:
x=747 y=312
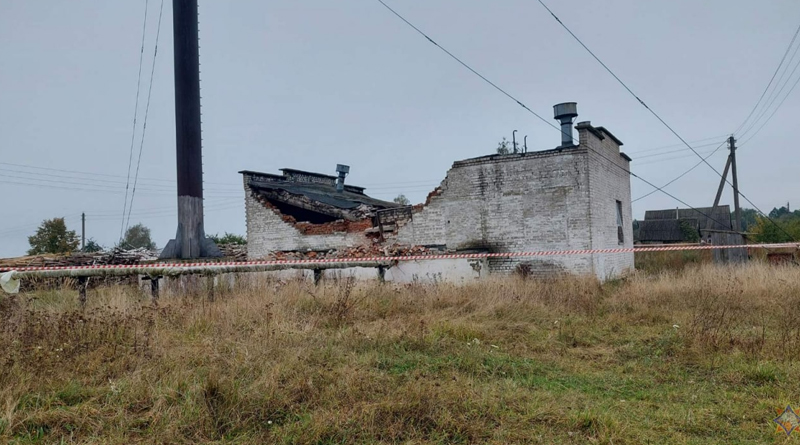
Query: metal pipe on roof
x=514 y=140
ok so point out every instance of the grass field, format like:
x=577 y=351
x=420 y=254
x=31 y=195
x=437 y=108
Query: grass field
x=699 y=356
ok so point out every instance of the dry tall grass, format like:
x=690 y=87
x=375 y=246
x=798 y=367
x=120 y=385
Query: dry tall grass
x=698 y=356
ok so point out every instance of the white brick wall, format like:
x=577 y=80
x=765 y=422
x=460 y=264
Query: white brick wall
x=609 y=182
x=512 y=203
x=556 y=200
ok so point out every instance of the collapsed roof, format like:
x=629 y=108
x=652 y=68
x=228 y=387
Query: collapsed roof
x=313 y=197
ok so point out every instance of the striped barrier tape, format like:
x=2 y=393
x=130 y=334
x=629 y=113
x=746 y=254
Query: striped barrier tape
x=413 y=257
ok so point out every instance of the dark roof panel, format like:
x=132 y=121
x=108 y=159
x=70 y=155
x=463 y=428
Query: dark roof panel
x=708 y=218
x=324 y=194
x=665 y=230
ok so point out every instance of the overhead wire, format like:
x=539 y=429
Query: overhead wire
x=540 y=117
x=773 y=113
x=625 y=86
x=713 y=138
x=656 y=115
x=135 y=115
x=146 y=112
x=467 y=66
x=682 y=174
x=664 y=153
x=673 y=158
x=772 y=79
x=84 y=173
x=773 y=96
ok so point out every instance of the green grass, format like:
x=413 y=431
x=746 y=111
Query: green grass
x=701 y=356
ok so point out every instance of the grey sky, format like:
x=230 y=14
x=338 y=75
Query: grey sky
x=309 y=84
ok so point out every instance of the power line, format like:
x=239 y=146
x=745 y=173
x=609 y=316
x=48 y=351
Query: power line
x=681 y=175
x=146 y=111
x=673 y=158
x=540 y=117
x=703 y=160
x=626 y=86
x=672 y=151
x=469 y=67
x=135 y=114
x=773 y=96
x=170 y=181
x=713 y=138
x=773 y=113
x=770 y=81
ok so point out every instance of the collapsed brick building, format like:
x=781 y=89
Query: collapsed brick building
x=572 y=197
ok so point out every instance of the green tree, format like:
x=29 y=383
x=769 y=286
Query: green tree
x=136 y=237
x=749 y=219
x=779 y=212
x=53 y=237
x=690 y=234
x=228 y=238
x=92 y=246
x=502 y=147
x=402 y=200
x=780 y=231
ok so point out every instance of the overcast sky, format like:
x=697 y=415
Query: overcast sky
x=309 y=84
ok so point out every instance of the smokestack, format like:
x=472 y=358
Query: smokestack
x=566 y=113
x=343 y=170
x=190 y=240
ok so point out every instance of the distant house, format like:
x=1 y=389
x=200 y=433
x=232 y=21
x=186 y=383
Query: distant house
x=683 y=225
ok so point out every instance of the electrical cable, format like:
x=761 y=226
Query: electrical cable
x=681 y=175
x=770 y=81
x=540 y=117
x=703 y=160
x=135 y=115
x=773 y=96
x=146 y=112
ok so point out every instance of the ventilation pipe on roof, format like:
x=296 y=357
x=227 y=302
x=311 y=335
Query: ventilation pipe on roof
x=343 y=170
x=566 y=113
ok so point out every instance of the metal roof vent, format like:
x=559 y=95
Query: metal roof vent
x=342 y=170
x=566 y=113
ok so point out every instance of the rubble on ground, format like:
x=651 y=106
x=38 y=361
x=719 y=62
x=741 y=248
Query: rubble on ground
x=116 y=256
x=233 y=252
x=357 y=252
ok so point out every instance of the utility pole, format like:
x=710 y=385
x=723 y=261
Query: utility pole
x=731 y=165
x=737 y=210
x=83 y=231
x=722 y=182
x=190 y=240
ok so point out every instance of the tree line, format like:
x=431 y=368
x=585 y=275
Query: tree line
x=782 y=225
x=53 y=237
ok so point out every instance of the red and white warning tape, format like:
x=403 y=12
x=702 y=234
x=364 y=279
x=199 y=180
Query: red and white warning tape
x=416 y=257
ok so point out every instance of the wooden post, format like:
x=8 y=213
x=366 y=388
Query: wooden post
x=154 y=288
x=722 y=184
x=82 y=291
x=210 y=280
x=737 y=210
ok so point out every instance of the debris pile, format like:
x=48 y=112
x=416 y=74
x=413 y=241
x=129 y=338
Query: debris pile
x=357 y=252
x=116 y=256
x=233 y=252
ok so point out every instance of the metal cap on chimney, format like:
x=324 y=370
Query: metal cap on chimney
x=342 y=170
x=566 y=113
